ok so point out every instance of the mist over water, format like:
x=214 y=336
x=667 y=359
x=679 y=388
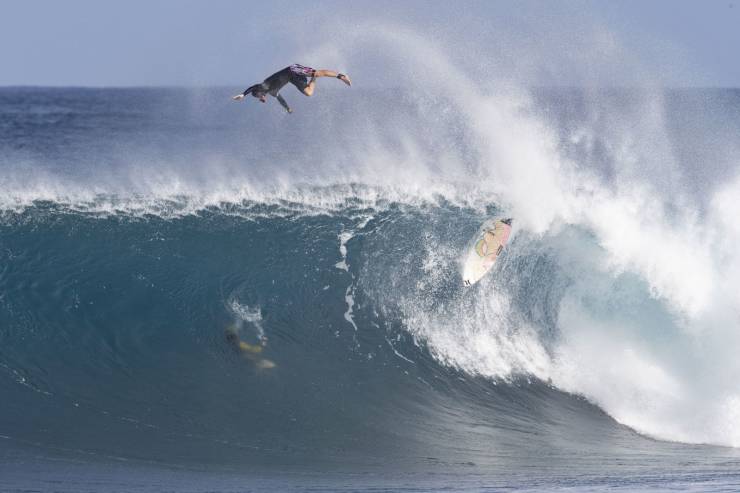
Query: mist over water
x=138 y=224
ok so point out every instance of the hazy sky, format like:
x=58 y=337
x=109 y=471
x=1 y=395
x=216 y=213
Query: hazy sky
x=225 y=42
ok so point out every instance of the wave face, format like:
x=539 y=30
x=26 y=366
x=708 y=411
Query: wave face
x=138 y=226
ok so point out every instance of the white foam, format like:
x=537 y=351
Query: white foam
x=481 y=339
x=349 y=294
x=344 y=237
x=251 y=315
x=671 y=372
x=349 y=299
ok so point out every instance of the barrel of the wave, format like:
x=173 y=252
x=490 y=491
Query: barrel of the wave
x=484 y=249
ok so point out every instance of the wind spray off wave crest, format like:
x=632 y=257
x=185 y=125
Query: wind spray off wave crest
x=637 y=257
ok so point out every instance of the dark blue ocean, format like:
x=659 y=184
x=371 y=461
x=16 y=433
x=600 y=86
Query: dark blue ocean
x=139 y=227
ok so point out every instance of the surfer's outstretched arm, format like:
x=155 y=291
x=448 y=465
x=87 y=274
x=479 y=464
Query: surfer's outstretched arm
x=284 y=103
x=241 y=96
x=257 y=90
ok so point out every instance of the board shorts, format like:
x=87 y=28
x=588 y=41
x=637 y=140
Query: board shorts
x=299 y=75
x=302 y=70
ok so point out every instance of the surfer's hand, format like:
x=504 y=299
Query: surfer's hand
x=345 y=79
x=238 y=97
x=290 y=111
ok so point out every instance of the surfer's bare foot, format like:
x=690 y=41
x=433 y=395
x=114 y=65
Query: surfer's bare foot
x=344 y=79
x=238 y=97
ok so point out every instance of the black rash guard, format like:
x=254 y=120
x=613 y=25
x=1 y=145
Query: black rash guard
x=295 y=74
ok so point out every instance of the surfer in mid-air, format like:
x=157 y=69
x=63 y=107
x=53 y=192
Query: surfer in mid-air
x=298 y=75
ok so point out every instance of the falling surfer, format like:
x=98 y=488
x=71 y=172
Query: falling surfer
x=252 y=352
x=296 y=74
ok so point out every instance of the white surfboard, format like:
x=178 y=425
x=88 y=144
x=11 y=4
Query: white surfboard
x=484 y=249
